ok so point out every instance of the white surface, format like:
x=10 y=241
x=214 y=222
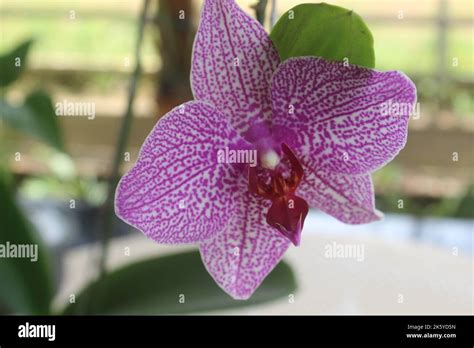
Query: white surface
x=430 y=280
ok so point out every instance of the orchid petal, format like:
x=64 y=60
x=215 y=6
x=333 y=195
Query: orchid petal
x=242 y=255
x=348 y=198
x=177 y=192
x=233 y=63
x=341 y=114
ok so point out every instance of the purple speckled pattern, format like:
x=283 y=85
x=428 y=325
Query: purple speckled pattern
x=233 y=64
x=349 y=198
x=337 y=112
x=246 y=250
x=330 y=115
x=177 y=192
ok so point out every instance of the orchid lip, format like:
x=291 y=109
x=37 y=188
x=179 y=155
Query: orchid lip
x=288 y=211
x=293 y=236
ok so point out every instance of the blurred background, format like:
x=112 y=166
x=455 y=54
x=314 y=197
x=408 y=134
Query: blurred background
x=418 y=260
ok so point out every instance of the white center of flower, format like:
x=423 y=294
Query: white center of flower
x=270 y=159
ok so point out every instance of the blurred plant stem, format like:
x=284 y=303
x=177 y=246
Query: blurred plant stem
x=273 y=13
x=108 y=208
x=260 y=8
x=174 y=36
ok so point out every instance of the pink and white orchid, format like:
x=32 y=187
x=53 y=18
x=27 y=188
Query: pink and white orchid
x=317 y=127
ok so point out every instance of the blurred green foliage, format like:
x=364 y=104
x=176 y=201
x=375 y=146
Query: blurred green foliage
x=64 y=183
x=459 y=207
x=36 y=116
x=13 y=63
x=173 y=284
x=389 y=179
x=26 y=286
x=79 y=39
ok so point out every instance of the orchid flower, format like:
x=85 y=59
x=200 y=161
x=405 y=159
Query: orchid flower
x=318 y=130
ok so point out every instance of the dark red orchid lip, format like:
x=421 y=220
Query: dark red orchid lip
x=288 y=211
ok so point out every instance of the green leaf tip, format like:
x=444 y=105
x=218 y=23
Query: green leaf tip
x=323 y=30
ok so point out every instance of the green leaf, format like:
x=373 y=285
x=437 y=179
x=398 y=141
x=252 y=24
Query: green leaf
x=13 y=63
x=36 y=118
x=154 y=286
x=26 y=286
x=326 y=31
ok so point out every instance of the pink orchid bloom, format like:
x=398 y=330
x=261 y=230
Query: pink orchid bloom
x=318 y=128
